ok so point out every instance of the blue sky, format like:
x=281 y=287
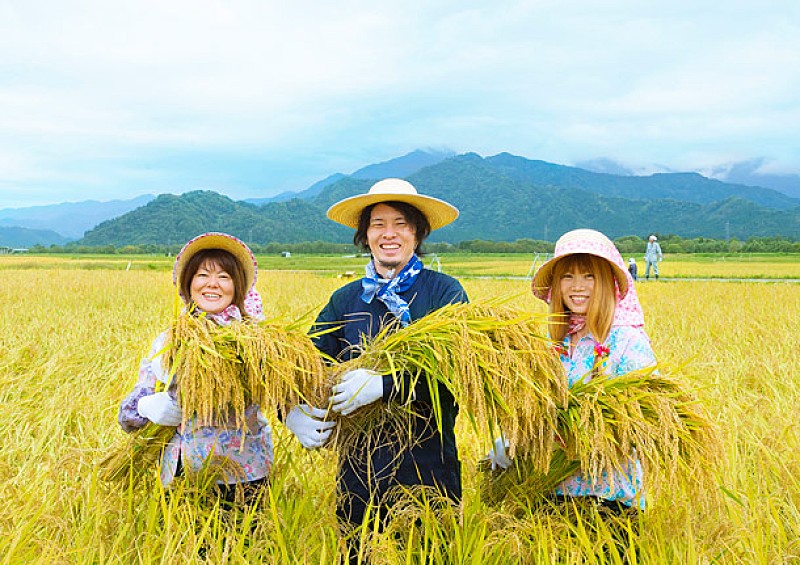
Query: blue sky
x=109 y=100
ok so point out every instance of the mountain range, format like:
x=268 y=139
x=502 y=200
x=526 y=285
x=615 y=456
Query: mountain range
x=503 y=197
x=60 y=223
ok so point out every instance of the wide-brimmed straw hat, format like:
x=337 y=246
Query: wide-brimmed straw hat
x=587 y=241
x=217 y=240
x=438 y=212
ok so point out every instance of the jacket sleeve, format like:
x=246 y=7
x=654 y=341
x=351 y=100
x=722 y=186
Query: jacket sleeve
x=150 y=372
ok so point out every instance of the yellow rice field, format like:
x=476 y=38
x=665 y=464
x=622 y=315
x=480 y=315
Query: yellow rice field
x=71 y=340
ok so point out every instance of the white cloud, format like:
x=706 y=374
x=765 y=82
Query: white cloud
x=139 y=97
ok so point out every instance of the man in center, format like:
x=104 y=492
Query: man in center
x=391 y=221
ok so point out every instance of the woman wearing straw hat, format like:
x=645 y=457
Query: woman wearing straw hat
x=391 y=221
x=215 y=274
x=598 y=325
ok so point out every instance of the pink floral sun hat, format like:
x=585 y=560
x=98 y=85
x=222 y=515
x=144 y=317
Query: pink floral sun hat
x=628 y=311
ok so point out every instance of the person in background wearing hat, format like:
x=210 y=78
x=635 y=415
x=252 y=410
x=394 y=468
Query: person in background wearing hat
x=652 y=256
x=392 y=220
x=215 y=275
x=633 y=269
x=598 y=325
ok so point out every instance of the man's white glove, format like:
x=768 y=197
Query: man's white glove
x=498 y=455
x=308 y=425
x=356 y=389
x=160 y=408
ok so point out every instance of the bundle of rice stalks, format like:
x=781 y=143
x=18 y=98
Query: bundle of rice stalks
x=607 y=421
x=219 y=371
x=496 y=362
x=136 y=455
x=522 y=483
x=655 y=414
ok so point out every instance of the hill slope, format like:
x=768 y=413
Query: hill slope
x=500 y=198
x=25 y=237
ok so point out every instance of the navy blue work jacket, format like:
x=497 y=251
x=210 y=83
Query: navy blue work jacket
x=366 y=475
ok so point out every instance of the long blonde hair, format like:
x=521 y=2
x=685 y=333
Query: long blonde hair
x=602 y=304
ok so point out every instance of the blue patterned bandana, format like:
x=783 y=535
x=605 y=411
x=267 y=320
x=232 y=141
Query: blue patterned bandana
x=386 y=290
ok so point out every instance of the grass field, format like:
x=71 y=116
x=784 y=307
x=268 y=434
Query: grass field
x=765 y=266
x=74 y=329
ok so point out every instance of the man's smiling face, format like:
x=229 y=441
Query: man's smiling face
x=392 y=239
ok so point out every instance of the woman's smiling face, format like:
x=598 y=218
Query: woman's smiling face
x=212 y=288
x=577 y=285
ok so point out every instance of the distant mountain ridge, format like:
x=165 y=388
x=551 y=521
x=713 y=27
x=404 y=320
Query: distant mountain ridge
x=68 y=220
x=400 y=167
x=16 y=237
x=503 y=197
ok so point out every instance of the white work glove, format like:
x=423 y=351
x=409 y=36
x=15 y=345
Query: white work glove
x=308 y=425
x=160 y=409
x=356 y=389
x=498 y=456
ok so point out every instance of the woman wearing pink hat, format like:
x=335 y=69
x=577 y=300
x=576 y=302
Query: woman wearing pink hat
x=215 y=274
x=599 y=326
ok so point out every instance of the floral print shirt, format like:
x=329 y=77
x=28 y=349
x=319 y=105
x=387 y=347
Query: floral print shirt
x=628 y=349
x=192 y=444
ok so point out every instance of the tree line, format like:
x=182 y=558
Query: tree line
x=629 y=244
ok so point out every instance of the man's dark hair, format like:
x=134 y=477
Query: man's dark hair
x=422 y=228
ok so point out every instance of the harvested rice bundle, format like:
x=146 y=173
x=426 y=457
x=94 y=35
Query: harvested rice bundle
x=136 y=455
x=608 y=417
x=222 y=369
x=494 y=360
x=605 y=420
x=522 y=482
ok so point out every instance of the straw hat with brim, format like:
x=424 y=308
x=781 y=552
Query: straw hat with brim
x=348 y=211
x=581 y=241
x=217 y=240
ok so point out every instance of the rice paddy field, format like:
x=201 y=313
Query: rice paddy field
x=74 y=329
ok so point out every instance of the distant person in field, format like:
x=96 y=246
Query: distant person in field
x=597 y=322
x=215 y=274
x=391 y=221
x=652 y=256
x=633 y=269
